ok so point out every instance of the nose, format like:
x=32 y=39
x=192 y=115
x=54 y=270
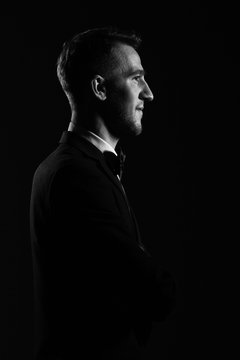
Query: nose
x=146 y=93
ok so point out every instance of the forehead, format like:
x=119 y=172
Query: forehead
x=127 y=59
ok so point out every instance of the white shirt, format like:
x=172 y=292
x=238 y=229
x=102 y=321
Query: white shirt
x=96 y=140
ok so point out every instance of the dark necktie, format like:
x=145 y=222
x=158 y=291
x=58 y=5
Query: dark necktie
x=115 y=163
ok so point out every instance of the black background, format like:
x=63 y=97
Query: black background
x=179 y=172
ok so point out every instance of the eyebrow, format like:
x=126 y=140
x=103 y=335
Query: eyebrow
x=141 y=72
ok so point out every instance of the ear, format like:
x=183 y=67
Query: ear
x=98 y=87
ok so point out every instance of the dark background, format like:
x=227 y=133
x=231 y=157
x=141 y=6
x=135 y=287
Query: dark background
x=179 y=173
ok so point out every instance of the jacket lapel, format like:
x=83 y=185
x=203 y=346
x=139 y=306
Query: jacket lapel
x=91 y=151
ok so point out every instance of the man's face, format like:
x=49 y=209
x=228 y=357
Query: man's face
x=126 y=91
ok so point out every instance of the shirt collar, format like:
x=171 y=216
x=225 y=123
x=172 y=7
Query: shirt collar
x=101 y=144
x=96 y=140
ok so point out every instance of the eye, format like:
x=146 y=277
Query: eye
x=137 y=78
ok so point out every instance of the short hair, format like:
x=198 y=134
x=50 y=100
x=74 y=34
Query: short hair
x=89 y=53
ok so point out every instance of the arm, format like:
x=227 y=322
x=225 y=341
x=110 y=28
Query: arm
x=95 y=241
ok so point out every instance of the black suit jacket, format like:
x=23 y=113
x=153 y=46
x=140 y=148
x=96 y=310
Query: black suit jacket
x=96 y=290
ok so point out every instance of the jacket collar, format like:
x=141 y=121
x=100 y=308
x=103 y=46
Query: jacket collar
x=80 y=143
x=90 y=150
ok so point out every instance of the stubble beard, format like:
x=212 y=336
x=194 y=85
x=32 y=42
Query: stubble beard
x=122 y=124
x=128 y=125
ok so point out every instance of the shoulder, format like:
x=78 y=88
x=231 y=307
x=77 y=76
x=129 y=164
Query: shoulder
x=68 y=173
x=65 y=161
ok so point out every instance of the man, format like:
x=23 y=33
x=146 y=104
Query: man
x=97 y=288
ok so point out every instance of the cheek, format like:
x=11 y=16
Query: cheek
x=127 y=89
x=123 y=97
x=129 y=98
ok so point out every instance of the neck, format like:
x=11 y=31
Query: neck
x=95 y=124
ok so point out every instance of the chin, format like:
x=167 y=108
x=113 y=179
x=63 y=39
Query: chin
x=127 y=127
x=138 y=130
x=135 y=130
x=130 y=131
x=138 y=127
